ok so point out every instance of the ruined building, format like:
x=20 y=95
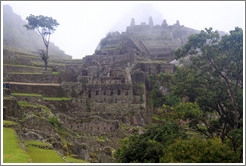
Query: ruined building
x=108 y=92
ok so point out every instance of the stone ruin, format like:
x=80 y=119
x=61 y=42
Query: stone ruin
x=109 y=89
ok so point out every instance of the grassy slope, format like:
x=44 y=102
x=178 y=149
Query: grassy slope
x=12 y=151
x=43 y=155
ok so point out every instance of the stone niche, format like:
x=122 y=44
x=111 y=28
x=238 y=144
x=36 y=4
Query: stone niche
x=138 y=77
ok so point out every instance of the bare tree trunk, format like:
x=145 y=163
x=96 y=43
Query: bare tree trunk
x=46 y=57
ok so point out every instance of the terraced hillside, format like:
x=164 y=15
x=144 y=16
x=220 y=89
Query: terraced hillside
x=30 y=127
x=82 y=108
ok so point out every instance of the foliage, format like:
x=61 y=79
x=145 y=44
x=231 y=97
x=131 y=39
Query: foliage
x=54 y=122
x=44 y=26
x=199 y=151
x=149 y=146
x=12 y=151
x=185 y=111
x=171 y=99
x=156 y=97
x=214 y=80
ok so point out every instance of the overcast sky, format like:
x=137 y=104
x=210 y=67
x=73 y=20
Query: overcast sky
x=84 y=24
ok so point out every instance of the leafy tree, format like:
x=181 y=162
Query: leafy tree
x=149 y=146
x=199 y=151
x=156 y=97
x=214 y=80
x=45 y=26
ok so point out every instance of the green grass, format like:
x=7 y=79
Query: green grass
x=55 y=72
x=9 y=123
x=74 y=160
x=12 y=151
x=26 y=104
x=23 y=66
x=37 y=143
x=29 y=56
x=59 y=64
x=57 y=98
x=39 y=155
x=153 y=61
x=26 y=94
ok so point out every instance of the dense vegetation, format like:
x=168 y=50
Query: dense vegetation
x=201 y=119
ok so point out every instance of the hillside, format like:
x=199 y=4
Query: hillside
x=83 y=107
x=90 y=109
x=16 y=37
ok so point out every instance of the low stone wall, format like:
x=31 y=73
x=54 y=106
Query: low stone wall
x=40 y=78
x=20 y=69
x=19 y=58
x=11 y=109
x=47 y=90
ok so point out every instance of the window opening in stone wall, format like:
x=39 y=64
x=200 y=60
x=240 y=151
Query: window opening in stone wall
x=97 y=92
x=89 y=93
x=126 y=93
x=112 y=92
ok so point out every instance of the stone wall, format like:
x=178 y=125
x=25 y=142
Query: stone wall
x=45 y=90
x=40 y=78
x=11 y=109
x=20 y=69
x=155 y=68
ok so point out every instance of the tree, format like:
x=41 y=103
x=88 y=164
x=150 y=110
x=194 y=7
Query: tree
x=149 y=146
x=214 y=80
x=199 y=151
x=45 y=26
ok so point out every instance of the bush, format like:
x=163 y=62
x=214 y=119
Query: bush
x=54 y=122
x=149 y=146
x=199 y=151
